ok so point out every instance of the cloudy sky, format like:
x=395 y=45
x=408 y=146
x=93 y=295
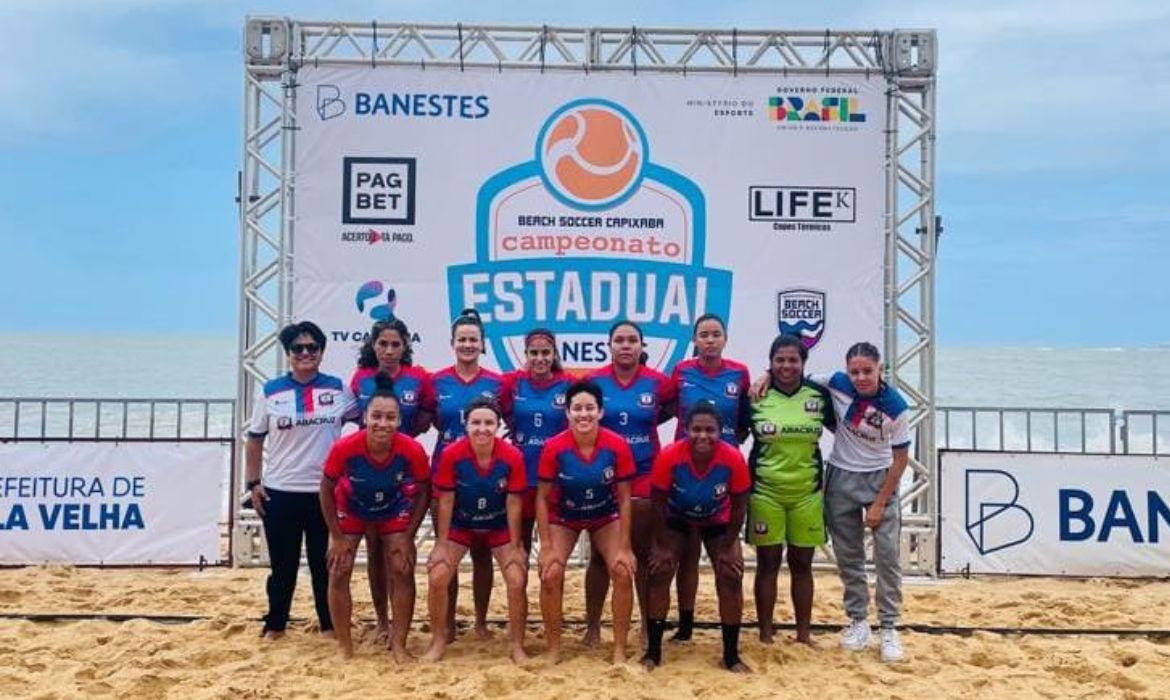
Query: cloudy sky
x=120 y=141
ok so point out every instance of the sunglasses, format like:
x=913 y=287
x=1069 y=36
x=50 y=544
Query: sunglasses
x=304 y=349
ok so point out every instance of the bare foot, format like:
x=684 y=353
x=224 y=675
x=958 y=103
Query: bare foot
x=767 y=636
x=382 y=632
x=451 y=633
x=399 y=652
x=648 y=663
x=273 y=635
x=519 y=656
x=554 y=654
x=482 y=633
x=435 y=652
x=619 y=655
x=807 y=640
x=328 y=634
x=592 y=637
x=345 y=651
x=737 y=667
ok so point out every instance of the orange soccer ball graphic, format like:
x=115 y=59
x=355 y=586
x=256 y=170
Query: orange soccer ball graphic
x=592 y=155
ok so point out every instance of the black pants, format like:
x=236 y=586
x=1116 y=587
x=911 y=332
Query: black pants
x=289 y=517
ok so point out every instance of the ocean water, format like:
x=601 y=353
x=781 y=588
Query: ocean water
x=203 y=366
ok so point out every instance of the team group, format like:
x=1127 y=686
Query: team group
x=579 y=455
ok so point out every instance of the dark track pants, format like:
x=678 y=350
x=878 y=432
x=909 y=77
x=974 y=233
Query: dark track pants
x=288 y=518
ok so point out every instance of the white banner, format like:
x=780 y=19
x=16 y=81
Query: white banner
x=111 y=503
x=572 y=201
x=1049 y=514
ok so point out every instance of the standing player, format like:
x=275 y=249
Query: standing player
x=706 y=377
x=585 y=475
x=787 y=502
x=446 y=397
x=870 y=451
x=481 y=483
x=700 y=490
x=637 y=399
x=387 y=351
x=375 y=484
x=537 y=397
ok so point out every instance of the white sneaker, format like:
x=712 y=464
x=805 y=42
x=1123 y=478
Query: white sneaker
x=891 y=645
x=855 y=637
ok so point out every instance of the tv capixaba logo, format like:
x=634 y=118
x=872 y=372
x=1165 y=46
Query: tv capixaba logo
x=802 y=208
x=801 y=312
x=374 y=301
x=590 y=231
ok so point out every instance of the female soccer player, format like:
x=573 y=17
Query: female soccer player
x=700 y=486
x=787 y=503
x=585 y=475
x=710 y=377
x=375 y=484
x=536 y=395
x=300 y=415
x=481 y=484
x=447 y=397
x=870 y=451
x=387 y=351
x=637 y=399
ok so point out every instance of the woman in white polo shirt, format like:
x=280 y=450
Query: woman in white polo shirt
x=861 y=490
x=299 y=416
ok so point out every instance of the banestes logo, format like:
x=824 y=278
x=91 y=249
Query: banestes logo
x=589 y=231
x=994 y=518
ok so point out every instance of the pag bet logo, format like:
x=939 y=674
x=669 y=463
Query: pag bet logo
x=589 y=231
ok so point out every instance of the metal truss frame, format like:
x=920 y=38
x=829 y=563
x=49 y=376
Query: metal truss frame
x=275 y=48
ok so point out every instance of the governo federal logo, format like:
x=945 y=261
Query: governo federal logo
x=588 y=232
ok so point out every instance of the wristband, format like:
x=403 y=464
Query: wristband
x=251 y=484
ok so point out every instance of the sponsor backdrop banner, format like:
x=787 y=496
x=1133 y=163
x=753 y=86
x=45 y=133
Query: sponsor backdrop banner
x=571 y=201
x=1075 y=515
x=111 y=503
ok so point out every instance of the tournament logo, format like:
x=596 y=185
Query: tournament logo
x=370 y=293
x=590 y=230
x=801 y=312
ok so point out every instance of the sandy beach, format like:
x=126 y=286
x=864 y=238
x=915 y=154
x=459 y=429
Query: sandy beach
x=220 y=655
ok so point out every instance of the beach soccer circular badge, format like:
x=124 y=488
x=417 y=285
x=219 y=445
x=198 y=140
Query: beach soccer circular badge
x=589 y=232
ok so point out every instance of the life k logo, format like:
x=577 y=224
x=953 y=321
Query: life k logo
x=994 y=518
x=329 y=102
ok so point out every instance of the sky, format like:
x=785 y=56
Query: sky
x=120 y=138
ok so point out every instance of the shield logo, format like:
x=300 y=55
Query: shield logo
x=325 y=399
x=409 y=396
x=801 y=312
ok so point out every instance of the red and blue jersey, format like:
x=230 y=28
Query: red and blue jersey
x=584 y=488
x=537 y=414
x=725 y=386
x=378 y=490
x=408 y=387
x=700 y=498
x=446 y=396
x=481 y=494
x=633 y=410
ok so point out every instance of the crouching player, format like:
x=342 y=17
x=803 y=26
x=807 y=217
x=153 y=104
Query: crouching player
x=700 y=485
x=375 y=484
x=481 y=483
x=585 y=475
